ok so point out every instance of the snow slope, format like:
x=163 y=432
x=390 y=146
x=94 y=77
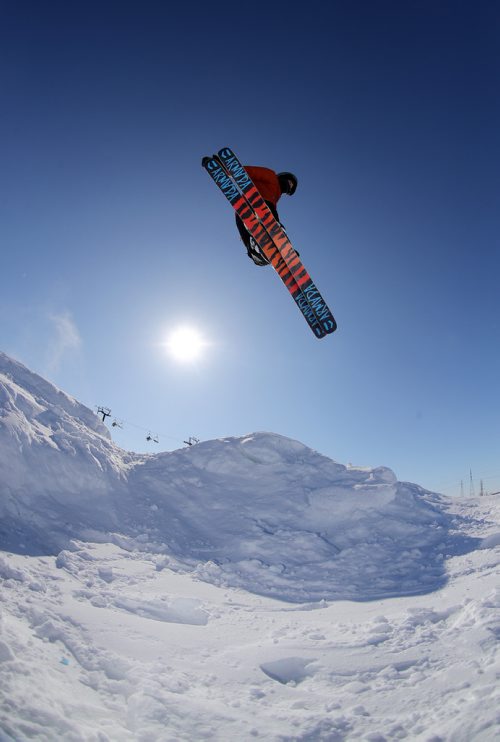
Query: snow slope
x=264 y=513
x=240 y=588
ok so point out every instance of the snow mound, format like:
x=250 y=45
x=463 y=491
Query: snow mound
x=261 y=512
x=57 y=463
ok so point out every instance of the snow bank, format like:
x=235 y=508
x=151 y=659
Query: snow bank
x=195 y=594
x=58 y=465
x=262 y=512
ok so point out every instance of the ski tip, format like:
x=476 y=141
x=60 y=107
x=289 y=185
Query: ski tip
x=205 y=160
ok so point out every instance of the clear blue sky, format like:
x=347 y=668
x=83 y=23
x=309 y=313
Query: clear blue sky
x=112 y=234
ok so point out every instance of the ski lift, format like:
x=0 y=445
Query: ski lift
x=152 y=437
x=117 y=423
x=104 y=411
x=191 y=440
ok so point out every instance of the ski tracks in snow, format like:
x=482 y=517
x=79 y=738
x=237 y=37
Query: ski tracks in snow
x=104 y=644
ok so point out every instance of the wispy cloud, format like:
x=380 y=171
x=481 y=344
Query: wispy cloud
x=66 y=340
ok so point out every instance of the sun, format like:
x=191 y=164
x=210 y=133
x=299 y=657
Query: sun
x=186 y=344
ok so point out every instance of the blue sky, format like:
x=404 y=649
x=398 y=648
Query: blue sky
x=112 y=235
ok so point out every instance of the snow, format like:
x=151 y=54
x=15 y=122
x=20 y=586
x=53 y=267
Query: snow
x=236 y=589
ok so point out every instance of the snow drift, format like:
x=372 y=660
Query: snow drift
x=195 y=594
x=261 y=512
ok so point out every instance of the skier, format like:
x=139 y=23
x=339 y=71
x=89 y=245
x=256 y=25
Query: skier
x=271 y=187
x=243 y=192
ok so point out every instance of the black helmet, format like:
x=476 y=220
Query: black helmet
x=288 y=183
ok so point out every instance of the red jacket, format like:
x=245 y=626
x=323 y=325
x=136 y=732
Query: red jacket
x=266 y=182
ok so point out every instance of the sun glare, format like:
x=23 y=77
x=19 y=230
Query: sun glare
x=185 y=344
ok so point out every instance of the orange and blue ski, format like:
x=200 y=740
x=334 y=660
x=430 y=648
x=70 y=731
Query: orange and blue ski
x=233 y=180
x=282 y=243
x=254 y=226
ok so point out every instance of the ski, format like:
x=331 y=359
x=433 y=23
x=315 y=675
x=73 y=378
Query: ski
x=281 y=242
x=232 y=179
x=219 y=174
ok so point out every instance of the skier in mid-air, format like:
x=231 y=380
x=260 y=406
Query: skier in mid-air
x=271 y=187
x=254 y=192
